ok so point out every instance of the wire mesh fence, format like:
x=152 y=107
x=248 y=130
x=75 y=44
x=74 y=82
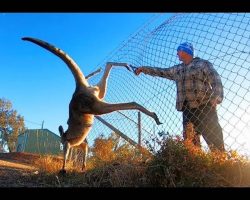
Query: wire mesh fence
x=221 y=38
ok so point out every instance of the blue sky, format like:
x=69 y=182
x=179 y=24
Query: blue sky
x=39 y=84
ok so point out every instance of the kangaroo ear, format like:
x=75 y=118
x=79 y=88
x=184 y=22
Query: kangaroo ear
x=61 y=131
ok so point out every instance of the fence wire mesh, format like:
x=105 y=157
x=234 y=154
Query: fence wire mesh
x=221 y=38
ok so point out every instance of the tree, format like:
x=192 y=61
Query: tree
x=10 y=125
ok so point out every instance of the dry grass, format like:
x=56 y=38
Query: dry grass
x=180 y=164
x=176 y=164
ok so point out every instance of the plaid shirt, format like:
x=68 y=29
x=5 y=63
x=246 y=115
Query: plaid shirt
x=197 y=83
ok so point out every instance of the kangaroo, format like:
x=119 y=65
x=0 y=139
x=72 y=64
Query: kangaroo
x=87 y=101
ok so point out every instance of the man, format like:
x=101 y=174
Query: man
x=199 y=90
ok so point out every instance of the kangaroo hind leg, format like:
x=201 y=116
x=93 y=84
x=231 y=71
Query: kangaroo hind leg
x=103 y=82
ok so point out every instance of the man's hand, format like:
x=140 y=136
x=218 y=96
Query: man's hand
x=137 y=71
x=214 y=103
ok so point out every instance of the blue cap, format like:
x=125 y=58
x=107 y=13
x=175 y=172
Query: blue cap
x=187 y=47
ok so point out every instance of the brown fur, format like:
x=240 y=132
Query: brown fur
x=86 y=102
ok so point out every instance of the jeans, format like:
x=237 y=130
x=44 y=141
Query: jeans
x=205 y=122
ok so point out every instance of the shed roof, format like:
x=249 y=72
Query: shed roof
x=33 y=131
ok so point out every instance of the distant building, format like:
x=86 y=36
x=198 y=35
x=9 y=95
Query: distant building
x=40 y=141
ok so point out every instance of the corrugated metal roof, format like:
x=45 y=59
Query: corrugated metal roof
x=42 y=141
x=40 y=130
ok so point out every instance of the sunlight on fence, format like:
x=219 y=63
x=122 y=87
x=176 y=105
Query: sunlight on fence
x=221 y=38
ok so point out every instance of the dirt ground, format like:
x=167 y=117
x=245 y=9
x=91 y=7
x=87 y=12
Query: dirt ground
x=17 y=169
